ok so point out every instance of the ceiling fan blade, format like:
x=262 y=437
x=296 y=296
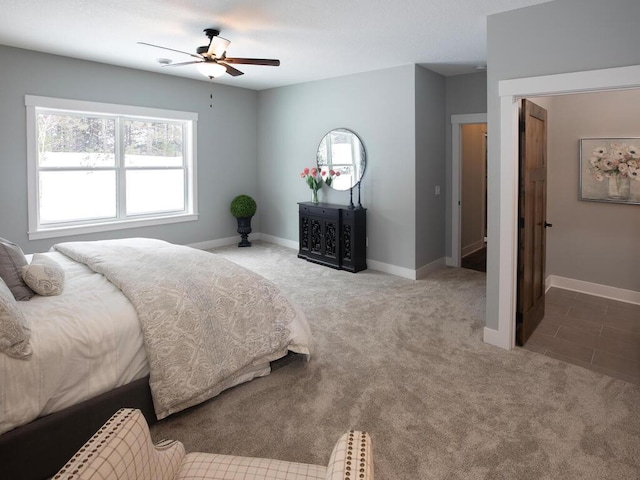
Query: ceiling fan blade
x=218 y=46
x=234 y=72
x=181 y=64
x=253 y=61
x=172 y=49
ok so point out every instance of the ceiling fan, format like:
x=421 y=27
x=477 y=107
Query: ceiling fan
x=212 y=60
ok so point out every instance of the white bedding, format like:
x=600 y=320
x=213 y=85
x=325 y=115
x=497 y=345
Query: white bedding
x=68 y=364
x=206 y=321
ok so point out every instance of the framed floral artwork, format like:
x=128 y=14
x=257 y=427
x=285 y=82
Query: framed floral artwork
x=610 y=170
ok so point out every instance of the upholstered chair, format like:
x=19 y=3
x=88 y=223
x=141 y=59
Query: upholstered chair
x=122 y=449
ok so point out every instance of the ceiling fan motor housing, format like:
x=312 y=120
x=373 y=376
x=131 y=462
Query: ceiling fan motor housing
x=211 y=32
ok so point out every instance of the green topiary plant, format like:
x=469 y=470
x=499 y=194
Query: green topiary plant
x=243 y=206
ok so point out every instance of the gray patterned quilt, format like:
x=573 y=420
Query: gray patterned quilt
x=207 y=322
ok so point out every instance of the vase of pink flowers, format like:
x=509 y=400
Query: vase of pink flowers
x=315 y=178
x=618 y=163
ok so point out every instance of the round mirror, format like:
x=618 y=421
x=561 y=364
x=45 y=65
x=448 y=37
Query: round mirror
x=342 y=151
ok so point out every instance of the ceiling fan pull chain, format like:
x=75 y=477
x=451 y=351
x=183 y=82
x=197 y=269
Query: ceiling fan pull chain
x=211 y=93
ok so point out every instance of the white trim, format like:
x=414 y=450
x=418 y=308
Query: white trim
x=605 y=291
x=495 y=338
x=391 y=269
x=33 y=198
x=510 y=91
x=425 y=270
x=456 y=171
x=111 y=108
x=507 y=237
x=220 y=242
x=474 y=247
x=577 y=82
x=283 y=242
x=106 y=227
x=188 y=119
x=449 y=262
x=371 y=264
x=224 y=242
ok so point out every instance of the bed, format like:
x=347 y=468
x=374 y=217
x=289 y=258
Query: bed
x=141 y=323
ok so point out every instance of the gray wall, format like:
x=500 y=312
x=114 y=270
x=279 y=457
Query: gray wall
x=257 y=143
x=380 y=107
x=465 y=94
x=227 y=133
x=556 y=37
x=430 y=166
x=593 y=242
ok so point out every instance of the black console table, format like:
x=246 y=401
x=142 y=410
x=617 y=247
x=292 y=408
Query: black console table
x=333 y=235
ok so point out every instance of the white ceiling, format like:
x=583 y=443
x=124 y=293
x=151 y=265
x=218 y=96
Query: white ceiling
x=314 y=39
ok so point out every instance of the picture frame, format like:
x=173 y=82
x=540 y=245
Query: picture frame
x=610 y=170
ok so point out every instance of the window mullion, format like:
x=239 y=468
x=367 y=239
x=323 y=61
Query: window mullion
x=121 y=173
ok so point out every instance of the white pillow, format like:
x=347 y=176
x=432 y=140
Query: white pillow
x=12 y=260
x=44 y=276
x=14 y=334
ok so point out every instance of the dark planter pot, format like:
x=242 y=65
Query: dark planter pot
x=244 y=229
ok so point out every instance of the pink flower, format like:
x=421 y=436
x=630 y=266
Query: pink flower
x=314 y=171
x=332 y=172
x=337 y=174
x=305 y=171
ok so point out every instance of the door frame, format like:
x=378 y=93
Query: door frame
x=457 y=121
x=501 y=281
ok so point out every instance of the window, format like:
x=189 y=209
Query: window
x=95 y=167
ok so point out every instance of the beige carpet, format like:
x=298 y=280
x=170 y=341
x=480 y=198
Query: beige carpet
x=405 y=361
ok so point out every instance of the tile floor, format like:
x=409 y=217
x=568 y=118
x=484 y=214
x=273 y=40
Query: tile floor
x=476 y=260
x=594 y=332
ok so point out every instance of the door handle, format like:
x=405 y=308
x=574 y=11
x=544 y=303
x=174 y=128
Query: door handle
x=547 y=224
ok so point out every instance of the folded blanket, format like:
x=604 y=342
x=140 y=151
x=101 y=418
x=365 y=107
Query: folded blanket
x=206 y=320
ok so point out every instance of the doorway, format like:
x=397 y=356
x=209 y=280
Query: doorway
x=502 y=248
x=457 y=124
x=473 y=193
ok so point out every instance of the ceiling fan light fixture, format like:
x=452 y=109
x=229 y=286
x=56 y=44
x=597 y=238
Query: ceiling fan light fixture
x=218 y=46
x=211 y=69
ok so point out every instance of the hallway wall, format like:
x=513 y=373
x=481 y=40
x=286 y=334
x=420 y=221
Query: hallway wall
x=590 y=241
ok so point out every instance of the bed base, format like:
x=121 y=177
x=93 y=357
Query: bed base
x=39 y=449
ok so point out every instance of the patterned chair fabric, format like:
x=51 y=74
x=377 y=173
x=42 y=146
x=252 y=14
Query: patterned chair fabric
x=122 y=449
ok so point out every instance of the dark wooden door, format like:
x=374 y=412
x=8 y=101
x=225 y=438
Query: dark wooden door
x=532 y=207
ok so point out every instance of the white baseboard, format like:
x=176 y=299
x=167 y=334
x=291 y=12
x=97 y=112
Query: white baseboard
x=372 y=264
x=283 y=242
x=613 y=293
x=474 y=247
x=450 y=262
x=224 y=242
x=425 y=270
x=495 y=338
x=391 y=269
x=406 y=272
x=221 y=242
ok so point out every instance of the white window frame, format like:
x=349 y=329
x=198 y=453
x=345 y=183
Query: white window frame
x=38 y=231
